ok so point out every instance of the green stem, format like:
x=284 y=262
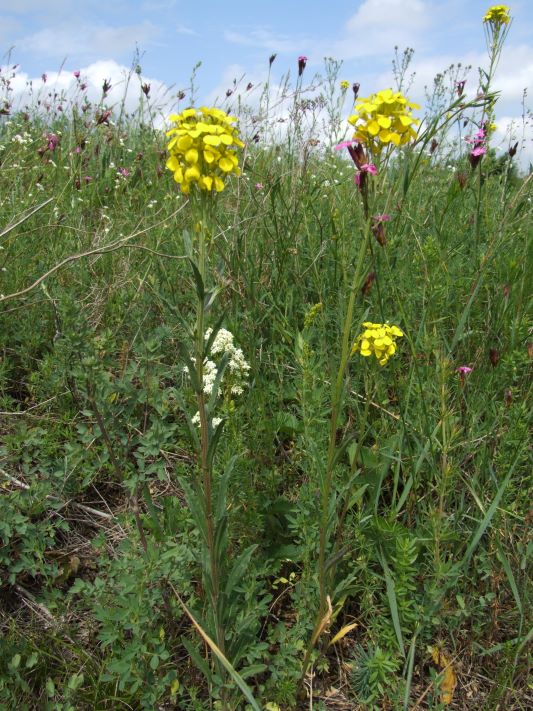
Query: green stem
x=205 y=469
x=324 y=574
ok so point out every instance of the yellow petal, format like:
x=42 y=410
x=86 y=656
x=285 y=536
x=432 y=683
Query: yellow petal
x=212 y=140
x=394 y=138
x=184 y=143
x=225 y=164
x=192 y=173
x=206 y=182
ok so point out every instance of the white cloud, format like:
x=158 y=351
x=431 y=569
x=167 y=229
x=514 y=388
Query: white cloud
x=184 y=30
x=515 y=72
x=99 y=39
x=393 y=14
x=515 y=129
x=380 y=25
x=262 y=38
x=125 y=87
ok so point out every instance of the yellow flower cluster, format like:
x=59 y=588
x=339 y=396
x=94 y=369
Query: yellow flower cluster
x=382 y=119
x=497 y=15
x=379 y=339
x=345 y=84
x=202 y=148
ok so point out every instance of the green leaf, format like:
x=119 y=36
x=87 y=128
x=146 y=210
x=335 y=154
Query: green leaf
x=50 y=687
x=15 y=662
x=220 y=501
x=199 y=282
x=75 y=681
x=391 y=597
x=243 y=686
x=197 y=659
x=239 y=567
x=154 y=662
x=191 y=367
x=510 y=577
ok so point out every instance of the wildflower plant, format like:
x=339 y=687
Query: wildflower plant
x=378 y=339
x=497 y=15
x=203 y=153
x=384 y=119
x=202 y=149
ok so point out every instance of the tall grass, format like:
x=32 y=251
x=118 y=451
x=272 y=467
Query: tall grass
x=350 y=526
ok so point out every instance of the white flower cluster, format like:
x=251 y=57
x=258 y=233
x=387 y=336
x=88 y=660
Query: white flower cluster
x=22 y=139
x=237 y=366
x=196 y=420
x=210 y=375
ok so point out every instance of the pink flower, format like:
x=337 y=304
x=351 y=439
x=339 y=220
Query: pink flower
x=87 y=179
x=259 y=186
x=124 y=172
x=360 y=177
x=464 y=370
x=344 y=144
x=52 y=141
x=478 y=151
x=76 y=74
x=381 y=218
x=369 y=168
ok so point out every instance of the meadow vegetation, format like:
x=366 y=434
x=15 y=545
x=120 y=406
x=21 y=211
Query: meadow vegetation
x=218 y=488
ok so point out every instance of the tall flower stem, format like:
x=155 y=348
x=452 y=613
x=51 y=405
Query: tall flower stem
x=206 y=473
x=326 y=572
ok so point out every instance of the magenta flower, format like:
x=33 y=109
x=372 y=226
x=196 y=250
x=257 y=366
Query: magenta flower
x=479 y=151
x=52 y=141
x=464 y=370
x=124 y=172
x=259 y=186
x=381 y=218
x=302 y=61
x=344 y=144
x=87 y=179
x=369 y=168
x=76 y=74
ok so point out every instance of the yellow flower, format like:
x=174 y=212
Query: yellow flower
x=497 y=15
x=345 y=84
x=378 y=339
x=383 y=119
x=202 y=148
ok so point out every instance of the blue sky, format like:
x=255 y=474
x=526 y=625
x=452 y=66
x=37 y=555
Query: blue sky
x=235 y=38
